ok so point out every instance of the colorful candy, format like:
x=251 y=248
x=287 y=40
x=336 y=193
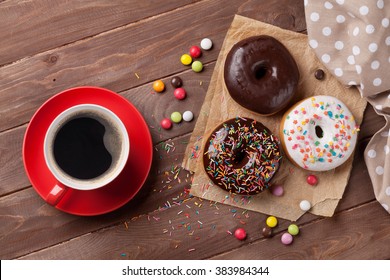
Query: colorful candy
x=240 y=233
x=267 y=232
x=176 y=82
x=166 y=123
x=188 y=116
x=293 y=229
x=305 y=205
x=180 y=93
x=206 y=44
x=312 y=180
x=195 y=52
x=277 y=190
x=287 y=238
x=271 y=221
x=159 y=86
x=319 y=74
x=176 y=117
x=197 y=66
x=186 y=59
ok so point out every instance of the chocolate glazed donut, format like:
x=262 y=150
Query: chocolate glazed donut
x=241 y=156
x=261 y=75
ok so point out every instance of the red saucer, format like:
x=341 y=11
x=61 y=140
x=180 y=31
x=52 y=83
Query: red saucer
x=118 y=192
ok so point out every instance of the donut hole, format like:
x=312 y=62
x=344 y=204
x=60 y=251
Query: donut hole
x=238 y=155
x=319 y=131
x=260 y=70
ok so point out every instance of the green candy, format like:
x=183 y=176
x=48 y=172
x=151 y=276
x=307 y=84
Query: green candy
x=197 y=66
x=176 y=117
x=293 y=229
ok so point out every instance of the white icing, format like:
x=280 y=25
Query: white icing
x=311 y=150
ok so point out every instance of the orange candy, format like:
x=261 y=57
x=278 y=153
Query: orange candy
x=159 y=86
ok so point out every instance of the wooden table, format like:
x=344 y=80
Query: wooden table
x=47 y=46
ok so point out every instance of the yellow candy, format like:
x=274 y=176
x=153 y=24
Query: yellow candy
x=271 y=221
x=186 y=59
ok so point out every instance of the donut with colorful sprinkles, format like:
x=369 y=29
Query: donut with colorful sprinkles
x=241 y=156
x=319 y=133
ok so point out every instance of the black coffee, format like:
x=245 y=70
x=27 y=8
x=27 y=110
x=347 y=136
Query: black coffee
x=79 y=149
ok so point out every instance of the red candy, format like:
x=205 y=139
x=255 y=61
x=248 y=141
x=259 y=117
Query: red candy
x=195 y=51
x=240 y=234
x=180 y=93
x=312 y=180
x=166 y=123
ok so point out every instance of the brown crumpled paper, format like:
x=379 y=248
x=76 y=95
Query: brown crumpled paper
x=218 y=107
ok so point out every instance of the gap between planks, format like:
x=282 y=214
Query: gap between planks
x=139 y=21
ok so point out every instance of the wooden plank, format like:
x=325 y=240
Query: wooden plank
x=12 y=173
x=112 y=59
x=204 y=232
x=279 y=13
x=212 y=239
x=154 y=107
x=177 y=233
x=30 y=27
x=361 y=233
x=29 y=224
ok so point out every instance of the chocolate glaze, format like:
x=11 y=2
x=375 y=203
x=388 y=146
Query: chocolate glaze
x=261 y=75
x=241 y=156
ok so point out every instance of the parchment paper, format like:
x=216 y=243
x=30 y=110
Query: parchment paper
x=218 y=107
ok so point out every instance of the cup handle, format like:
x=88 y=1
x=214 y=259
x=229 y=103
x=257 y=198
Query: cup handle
x=56 y=194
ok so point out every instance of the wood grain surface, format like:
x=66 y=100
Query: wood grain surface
x=49 y=46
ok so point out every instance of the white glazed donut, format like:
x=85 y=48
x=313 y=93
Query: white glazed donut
x=319 y=133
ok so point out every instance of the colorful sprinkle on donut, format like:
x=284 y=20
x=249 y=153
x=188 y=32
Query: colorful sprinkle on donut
x=241 y=156
x=319 y=133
